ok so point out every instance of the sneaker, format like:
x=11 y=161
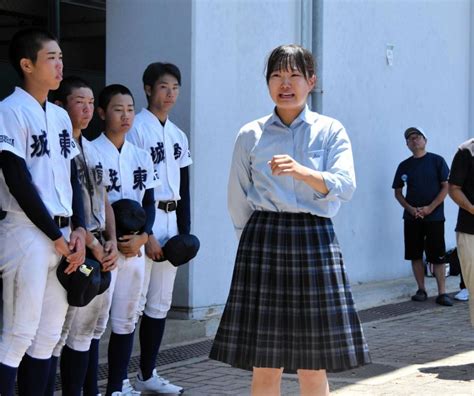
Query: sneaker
x=127 y=390
x=463 y=295
x=157 y=384
x=420 y=295
x=444 y=299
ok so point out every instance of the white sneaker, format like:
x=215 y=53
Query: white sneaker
x=463 y=295
x=156 y=384
x=127 y=389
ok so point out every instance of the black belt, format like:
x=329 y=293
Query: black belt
x=61 y=221
x=167 y=206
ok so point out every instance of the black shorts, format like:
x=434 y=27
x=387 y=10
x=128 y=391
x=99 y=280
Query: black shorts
x=425 y=236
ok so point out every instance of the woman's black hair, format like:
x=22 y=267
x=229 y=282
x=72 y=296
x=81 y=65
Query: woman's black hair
x=110 y=91
x=290 y=57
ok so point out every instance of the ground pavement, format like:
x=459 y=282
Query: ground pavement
x=416 y=348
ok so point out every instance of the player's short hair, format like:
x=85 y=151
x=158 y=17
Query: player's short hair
x=68 y=84
x=110 y=91
x=26 y=44
x=291 y=57
x=158 y=69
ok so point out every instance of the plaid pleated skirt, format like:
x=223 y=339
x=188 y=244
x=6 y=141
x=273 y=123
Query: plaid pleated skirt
x=290 y=303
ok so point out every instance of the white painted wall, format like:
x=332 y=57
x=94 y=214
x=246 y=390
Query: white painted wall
x=427 y=86
x=221 y=47
x=230 y=43
x=138 y=33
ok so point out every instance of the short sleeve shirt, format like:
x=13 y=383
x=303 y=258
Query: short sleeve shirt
x=462 y=175
x=43 y=138
x=422 y=177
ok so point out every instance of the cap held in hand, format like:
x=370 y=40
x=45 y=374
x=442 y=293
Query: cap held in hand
x=130 y=217
x=83 y=284
x=180 y=249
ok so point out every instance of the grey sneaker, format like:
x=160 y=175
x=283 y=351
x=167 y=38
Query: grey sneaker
x=157 y=385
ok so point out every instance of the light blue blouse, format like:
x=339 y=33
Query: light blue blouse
x=315 y=141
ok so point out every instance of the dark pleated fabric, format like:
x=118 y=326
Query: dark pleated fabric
x=290 y=303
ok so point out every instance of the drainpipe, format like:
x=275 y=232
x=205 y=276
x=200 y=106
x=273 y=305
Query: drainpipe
x=317 y=49
x=307 y=30
x=470 y=132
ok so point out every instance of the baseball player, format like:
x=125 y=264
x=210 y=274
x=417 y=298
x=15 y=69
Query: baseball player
x=84 y=326
x=131 y=176
x=40 y=193
x=168 y=146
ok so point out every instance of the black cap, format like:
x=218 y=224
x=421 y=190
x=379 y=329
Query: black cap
x=181 y=249
x=83 y=284
x=130 y=217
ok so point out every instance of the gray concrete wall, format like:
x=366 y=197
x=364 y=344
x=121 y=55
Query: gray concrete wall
x=221 y=47
x=140 y=32
x=230 y=43
x=427 y=86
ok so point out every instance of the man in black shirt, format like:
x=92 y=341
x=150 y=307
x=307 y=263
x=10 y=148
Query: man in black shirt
x=425 y=176
x=461 y=190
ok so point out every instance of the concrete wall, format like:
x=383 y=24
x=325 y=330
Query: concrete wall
x=427 y=86
x=230 y=43
x=143 y=31
x=221 y=48
x=139 y=32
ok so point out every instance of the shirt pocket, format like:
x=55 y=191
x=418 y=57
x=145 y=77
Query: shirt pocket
x=316 y=159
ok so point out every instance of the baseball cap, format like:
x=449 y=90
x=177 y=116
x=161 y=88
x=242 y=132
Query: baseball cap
x=180 y=249
x=130 y=217
x=83 y=284
x=410 y=131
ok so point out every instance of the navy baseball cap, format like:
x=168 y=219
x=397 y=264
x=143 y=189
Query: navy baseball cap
x=410 y=131
x=130 y=217
x=181 y=249
x=83 y=284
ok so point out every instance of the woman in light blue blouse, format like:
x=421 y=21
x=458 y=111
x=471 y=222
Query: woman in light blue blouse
x=290 y=306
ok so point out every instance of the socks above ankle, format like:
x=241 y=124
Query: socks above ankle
x=120 y=350
x=73 y=370
x=90 y=387
x=7 y=380
x=33 y=375
x=151 y=334
x=51 y=385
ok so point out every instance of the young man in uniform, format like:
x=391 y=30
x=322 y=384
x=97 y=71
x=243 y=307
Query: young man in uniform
x=131 y=176
x=461 y=190
x=169 y=149
x=40 y=192
x=426 y=177
x=84 y=326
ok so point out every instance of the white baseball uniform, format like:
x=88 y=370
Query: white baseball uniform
x=130 y=172
x=34 y=301
x=82 y=324
x=169 y=150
